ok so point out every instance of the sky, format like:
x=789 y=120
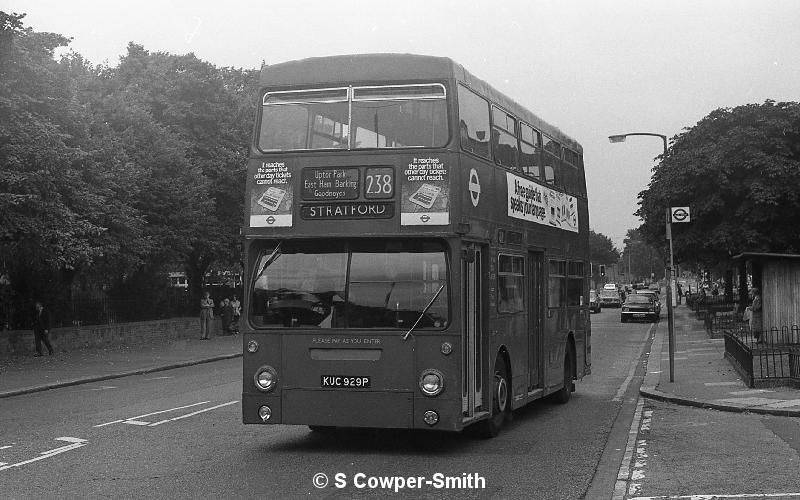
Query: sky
x=592 y=68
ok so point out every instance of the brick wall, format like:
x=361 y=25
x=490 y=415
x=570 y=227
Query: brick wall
x=21 y=342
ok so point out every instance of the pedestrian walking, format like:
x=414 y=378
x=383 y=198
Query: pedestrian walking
x=680 y=293
x=41 y=328
x=206 y=315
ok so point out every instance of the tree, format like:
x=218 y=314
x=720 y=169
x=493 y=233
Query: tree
x=642 y=259
x=210 y=110
x=738 y=170
x=115 y=175
x=63 y=183
x=601 y=249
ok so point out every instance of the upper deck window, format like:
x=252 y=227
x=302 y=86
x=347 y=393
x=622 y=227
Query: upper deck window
x=392 y=116
x=530 y=148
x=307 y=119
x=473 y=111
x=504 y=138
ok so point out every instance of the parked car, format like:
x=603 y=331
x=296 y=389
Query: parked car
x=594 y=304
x=641 y=306
x=609 y=298
x=651 y=293
x=610 y=286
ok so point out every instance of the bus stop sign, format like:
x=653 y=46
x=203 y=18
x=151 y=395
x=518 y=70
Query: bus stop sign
x=680 y=214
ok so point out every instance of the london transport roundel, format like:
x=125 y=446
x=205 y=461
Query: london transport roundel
x=474 y=187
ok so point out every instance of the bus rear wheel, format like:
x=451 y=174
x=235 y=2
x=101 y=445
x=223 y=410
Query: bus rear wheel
x=501 y=402
x=563 y=394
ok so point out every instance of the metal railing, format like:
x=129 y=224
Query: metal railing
x=767 y=357
x=107 y=310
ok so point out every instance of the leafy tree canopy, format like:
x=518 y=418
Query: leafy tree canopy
x=61 y=204
x=643 y=260
x=116 y=173
x=738 y=170
x=601 y=249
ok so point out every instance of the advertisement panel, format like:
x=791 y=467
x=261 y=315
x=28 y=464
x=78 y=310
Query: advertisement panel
x=425 y=193
x=272 y=195
x=533 y=202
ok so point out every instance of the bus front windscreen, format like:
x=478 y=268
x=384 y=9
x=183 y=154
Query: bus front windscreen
x=351 y=284
x=392 y=116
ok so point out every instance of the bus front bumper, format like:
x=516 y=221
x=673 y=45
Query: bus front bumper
x=374 y=409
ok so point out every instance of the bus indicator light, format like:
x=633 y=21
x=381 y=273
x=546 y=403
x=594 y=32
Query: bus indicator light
x=447 y=348
x=252 y=346
x=431 y=417
x=265 y=413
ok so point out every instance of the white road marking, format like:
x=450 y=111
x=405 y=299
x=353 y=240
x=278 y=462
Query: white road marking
x=722 y=496
x=135 y=422
x=624 y=474
x=153 y=413
x=76 y=443
x=109 y=423
x=719 y=384
x=193 y=413
x=6 y=446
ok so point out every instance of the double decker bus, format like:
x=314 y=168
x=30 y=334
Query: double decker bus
x=416 y=249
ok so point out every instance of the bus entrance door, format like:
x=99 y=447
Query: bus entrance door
x=535 y=312
x=472 y=390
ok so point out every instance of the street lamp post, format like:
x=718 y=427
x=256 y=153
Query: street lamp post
x=670 y=316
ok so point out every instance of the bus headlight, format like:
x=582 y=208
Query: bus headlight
x=266 y=378
x=431 y=382
x=252 y=346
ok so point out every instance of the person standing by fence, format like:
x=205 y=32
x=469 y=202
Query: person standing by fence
x=206 y=315
x=237 y=313
x=756 y=315
x=227 y=316
x=41 y=328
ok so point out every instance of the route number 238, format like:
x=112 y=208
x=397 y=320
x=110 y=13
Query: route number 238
x=379 y=184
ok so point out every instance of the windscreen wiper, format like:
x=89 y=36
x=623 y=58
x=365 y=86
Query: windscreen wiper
x=274 y=255
x=422 y=314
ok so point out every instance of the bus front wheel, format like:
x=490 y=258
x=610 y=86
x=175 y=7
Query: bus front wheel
x=321 y=428
x=501 y=403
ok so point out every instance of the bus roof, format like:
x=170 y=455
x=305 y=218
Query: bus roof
x=367 y=68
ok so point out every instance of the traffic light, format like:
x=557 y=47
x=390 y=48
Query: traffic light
x=602 y=270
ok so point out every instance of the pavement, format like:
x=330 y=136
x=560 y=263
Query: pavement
x=24 y=375
x=702 y=376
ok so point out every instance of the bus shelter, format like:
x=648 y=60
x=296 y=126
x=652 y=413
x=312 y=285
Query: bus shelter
x=767 y=354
